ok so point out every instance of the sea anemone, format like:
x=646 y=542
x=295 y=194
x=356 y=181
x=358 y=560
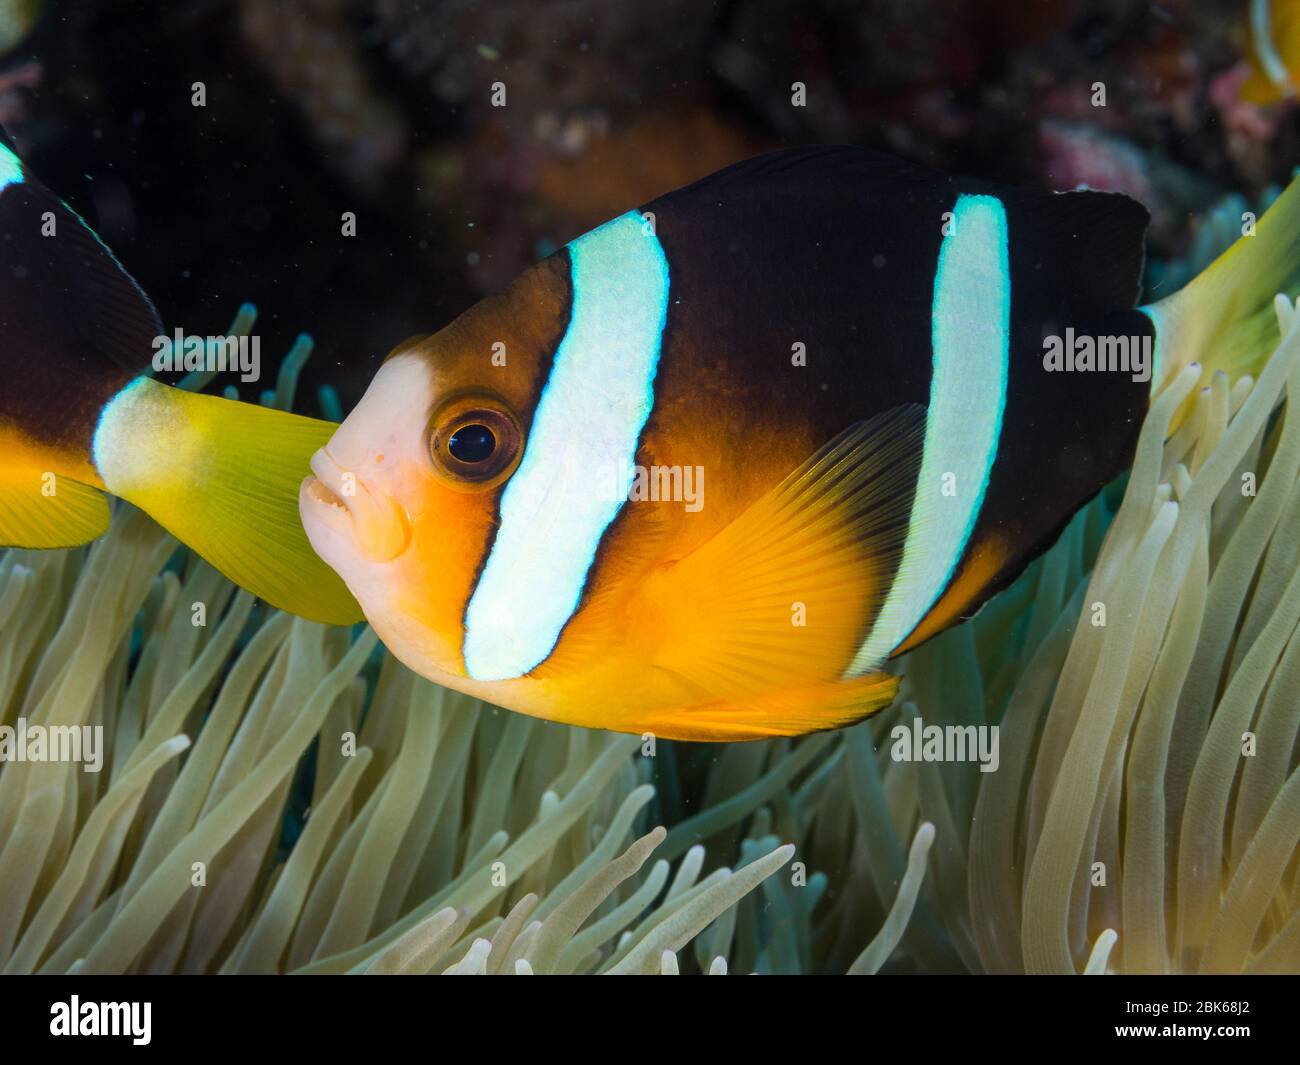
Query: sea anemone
x=279 y=796
x=276 y=795
x=1146 y=811
x=335 y=812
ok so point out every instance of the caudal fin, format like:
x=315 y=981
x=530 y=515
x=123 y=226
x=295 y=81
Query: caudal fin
x=1224 y=318
x=223 y=477
x=75 y=417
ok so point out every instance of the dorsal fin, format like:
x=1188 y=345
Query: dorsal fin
x=1089 y=244
x=111 y=309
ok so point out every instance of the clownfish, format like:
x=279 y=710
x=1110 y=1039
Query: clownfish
x=80 y=419
x=707 y=469
x=1273 y=51
x=701 y=473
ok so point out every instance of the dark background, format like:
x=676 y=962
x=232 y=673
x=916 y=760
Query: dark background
x=383 y=107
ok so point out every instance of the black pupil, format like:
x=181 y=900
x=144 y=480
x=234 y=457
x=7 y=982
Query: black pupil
x=472 y=443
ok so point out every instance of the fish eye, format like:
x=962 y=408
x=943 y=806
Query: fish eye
x=474 y=441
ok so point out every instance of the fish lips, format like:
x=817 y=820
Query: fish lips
x=339 y=510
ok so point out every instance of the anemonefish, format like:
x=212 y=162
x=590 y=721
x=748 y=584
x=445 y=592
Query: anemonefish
x=703 y=472
x=79 y=417
x=1273 y=51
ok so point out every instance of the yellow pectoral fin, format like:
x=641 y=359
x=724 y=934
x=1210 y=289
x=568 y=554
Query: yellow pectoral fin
x=223 y=477
x=786 y=712
x=40 y=504
x=778 y=601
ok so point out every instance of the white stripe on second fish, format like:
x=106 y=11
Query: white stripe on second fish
x=971 y=324
x=584 y=434
x=11 y=170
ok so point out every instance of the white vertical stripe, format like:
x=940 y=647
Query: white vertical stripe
x=11 y=170
x=578 y=461
x=971 y=322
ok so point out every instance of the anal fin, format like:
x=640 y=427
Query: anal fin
x=784 y=712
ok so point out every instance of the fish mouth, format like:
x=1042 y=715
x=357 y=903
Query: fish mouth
x=343 y=504
x=330 y=483
x=319 y=492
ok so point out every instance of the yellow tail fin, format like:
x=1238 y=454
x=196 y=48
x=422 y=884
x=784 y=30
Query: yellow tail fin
x=223 y=477
x=1224 y=318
